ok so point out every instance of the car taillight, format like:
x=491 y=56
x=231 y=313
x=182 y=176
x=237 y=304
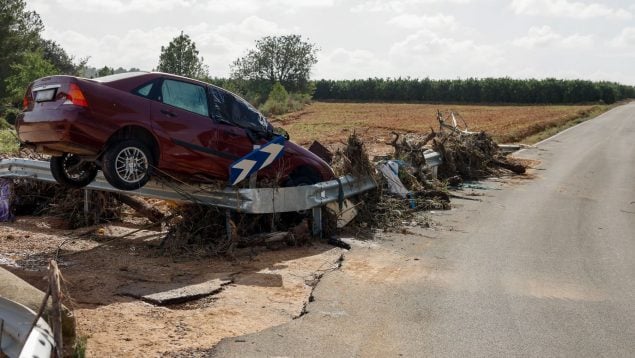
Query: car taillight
x=76 y=96
x=25 y=102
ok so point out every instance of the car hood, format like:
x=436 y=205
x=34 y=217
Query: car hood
x=325 y=169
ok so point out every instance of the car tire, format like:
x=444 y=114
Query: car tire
x=69 y=170
x=302 y=177
x=299 y=177
x=127 y=164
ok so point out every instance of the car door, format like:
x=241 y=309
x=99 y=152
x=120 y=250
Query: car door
x=181 y=113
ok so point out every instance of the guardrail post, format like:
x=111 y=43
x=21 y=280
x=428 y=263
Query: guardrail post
x=86 y=203
x=228 y=224
x=317 y=222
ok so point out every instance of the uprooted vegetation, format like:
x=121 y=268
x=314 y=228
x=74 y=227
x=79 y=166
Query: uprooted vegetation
x=65 y=204
x=112 y=269
x=465 y=156
x=469 y=155
x=192 y=228
x=203 y=230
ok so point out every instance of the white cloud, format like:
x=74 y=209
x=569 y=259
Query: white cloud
x=567 y=8
x=135 y=48
x=625 y=39
x=219 y=46
x=411 y=21
x=545 y=36
x=428 y=52
x=347 y=64
x=119 y=6
x=398 y=5
x=250 y=28
x=253 y=6
x=303 y=3
x=154 y=6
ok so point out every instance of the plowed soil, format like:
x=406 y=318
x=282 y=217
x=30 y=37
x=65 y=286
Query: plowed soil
x=332 y=123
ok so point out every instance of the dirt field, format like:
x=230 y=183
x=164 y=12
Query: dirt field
x=331 y=123
x=261 y=288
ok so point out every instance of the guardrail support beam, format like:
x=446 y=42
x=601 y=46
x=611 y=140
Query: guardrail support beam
x=316 y=228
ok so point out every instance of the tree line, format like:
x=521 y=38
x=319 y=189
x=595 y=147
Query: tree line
x=275 y=65
x=473 y=90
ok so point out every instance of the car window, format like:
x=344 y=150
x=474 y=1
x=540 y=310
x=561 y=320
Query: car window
x=229 y=108
x=145 y=90
x=186 y=96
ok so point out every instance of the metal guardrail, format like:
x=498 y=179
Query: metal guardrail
x=252 y=201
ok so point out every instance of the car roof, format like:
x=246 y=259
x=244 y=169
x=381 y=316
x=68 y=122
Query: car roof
x=152 y=75
x=119 y=76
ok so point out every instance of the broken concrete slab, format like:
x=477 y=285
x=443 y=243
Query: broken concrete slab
x=172 y=293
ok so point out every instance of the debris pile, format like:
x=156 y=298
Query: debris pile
x=32 y=197
x=469 y=155
x=404 y=186
x=196 y=228
x=203 y=230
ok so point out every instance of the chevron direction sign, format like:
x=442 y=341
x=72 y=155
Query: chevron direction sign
x=256 y=160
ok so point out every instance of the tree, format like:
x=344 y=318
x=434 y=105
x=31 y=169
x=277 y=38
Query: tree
x=278 y=101
x=31 y=67
x=55 y=54
x=285 y=59
x=19 y=33
x=105 y=71
x=181 y=58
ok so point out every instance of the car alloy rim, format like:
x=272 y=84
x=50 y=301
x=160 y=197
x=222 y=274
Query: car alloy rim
x=74 y=168
x=131 y=164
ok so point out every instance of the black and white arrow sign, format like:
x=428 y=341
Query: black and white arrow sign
x=256 y=160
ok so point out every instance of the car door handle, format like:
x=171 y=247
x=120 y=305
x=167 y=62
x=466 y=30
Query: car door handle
x=168 y=113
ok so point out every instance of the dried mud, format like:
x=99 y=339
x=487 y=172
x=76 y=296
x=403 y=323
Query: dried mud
x=266 y=288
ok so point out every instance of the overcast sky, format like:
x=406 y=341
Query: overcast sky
x=588 y=39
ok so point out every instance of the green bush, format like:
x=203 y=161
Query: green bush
x=4 y=125
x=11 y=114
x=9 y=143
x=277 y=102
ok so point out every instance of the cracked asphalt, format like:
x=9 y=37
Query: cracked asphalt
x=542 y=267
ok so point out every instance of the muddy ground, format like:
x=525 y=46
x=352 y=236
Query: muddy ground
x=260 y=288
x=103 y=273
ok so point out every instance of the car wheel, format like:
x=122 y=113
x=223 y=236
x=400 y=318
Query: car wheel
x=302 y=177
x=71 y=171
x=299 y=178
x=127 y=164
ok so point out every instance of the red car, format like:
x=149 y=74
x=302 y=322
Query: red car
x=132 y=125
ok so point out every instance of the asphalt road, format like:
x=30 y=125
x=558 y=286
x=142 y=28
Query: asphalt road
x=540 y=268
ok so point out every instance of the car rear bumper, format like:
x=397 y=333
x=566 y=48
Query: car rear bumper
x=58 y=131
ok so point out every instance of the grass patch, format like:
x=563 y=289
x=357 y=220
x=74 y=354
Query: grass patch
x=79 y=348
x=553 y=130
x=9 y=143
